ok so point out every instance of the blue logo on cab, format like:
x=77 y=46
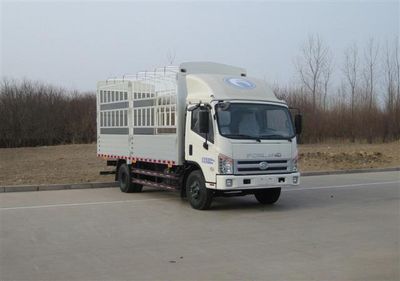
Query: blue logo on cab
x=240 y=83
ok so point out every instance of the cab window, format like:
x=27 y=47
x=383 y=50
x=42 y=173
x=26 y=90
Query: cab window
x=195 y=125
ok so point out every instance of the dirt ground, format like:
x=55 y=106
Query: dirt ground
x=327 y=157
x=79 y=163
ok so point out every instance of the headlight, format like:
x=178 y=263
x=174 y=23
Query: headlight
x=225 y=164
x=294 y=164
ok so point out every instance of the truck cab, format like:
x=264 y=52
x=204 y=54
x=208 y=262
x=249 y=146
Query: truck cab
x=240 y=135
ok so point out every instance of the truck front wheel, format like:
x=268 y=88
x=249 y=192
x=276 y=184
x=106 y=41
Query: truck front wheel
x=125 y=180
x=198 y=195
x=268 y=196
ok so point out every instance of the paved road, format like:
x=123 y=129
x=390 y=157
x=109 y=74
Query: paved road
x=344 y=227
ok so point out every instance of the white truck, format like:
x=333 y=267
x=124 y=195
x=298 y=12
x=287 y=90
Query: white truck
x=203 y=128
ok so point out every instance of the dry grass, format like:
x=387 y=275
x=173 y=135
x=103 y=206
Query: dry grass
x=78 y=163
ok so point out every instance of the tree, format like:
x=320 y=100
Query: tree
x=314 y=69
x=326 y=76
x=370 y=72
x=370 y=54
x=350 y=70
x=391 y=73
x=171 y=54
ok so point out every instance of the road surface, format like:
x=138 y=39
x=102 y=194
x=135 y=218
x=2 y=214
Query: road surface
x=336 y=227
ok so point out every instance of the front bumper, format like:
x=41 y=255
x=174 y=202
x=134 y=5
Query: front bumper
x=244 y=182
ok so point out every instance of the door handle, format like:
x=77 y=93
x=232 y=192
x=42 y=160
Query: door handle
x=190 y=149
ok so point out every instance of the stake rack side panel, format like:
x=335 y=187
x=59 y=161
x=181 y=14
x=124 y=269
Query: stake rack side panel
x=113 y=110
x=137 y=117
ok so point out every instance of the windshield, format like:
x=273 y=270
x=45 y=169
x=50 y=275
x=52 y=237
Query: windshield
x=255 y=121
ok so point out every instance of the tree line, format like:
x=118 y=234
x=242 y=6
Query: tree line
x=354 y=97
x=35 y=114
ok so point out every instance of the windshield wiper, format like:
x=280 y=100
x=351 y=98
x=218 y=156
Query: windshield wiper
x=275 y=136
x=245 y=136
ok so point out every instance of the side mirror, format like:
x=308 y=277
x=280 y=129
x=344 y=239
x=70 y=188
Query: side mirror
x=203 y=121
x=298 y=123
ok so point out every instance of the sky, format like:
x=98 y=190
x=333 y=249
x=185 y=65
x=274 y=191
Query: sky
x=77 y=43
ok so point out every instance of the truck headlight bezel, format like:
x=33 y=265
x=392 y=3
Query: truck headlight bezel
x=225 y=165
x=294 y=164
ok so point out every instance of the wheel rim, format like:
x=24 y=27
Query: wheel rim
x=195 y=190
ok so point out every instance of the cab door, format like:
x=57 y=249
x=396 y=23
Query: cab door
x=197 y=149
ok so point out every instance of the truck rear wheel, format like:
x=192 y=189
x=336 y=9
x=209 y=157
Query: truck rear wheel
x=125 y=180
x=268 y=196
x=199 y=196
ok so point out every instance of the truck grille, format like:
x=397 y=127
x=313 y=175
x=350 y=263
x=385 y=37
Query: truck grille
x=267 y=166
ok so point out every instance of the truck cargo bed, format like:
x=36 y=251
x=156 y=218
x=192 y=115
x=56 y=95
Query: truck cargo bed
x=137 y=118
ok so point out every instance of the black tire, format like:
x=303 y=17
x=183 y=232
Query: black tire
x=125 y=180
x=199 y=196
x=268 y=196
